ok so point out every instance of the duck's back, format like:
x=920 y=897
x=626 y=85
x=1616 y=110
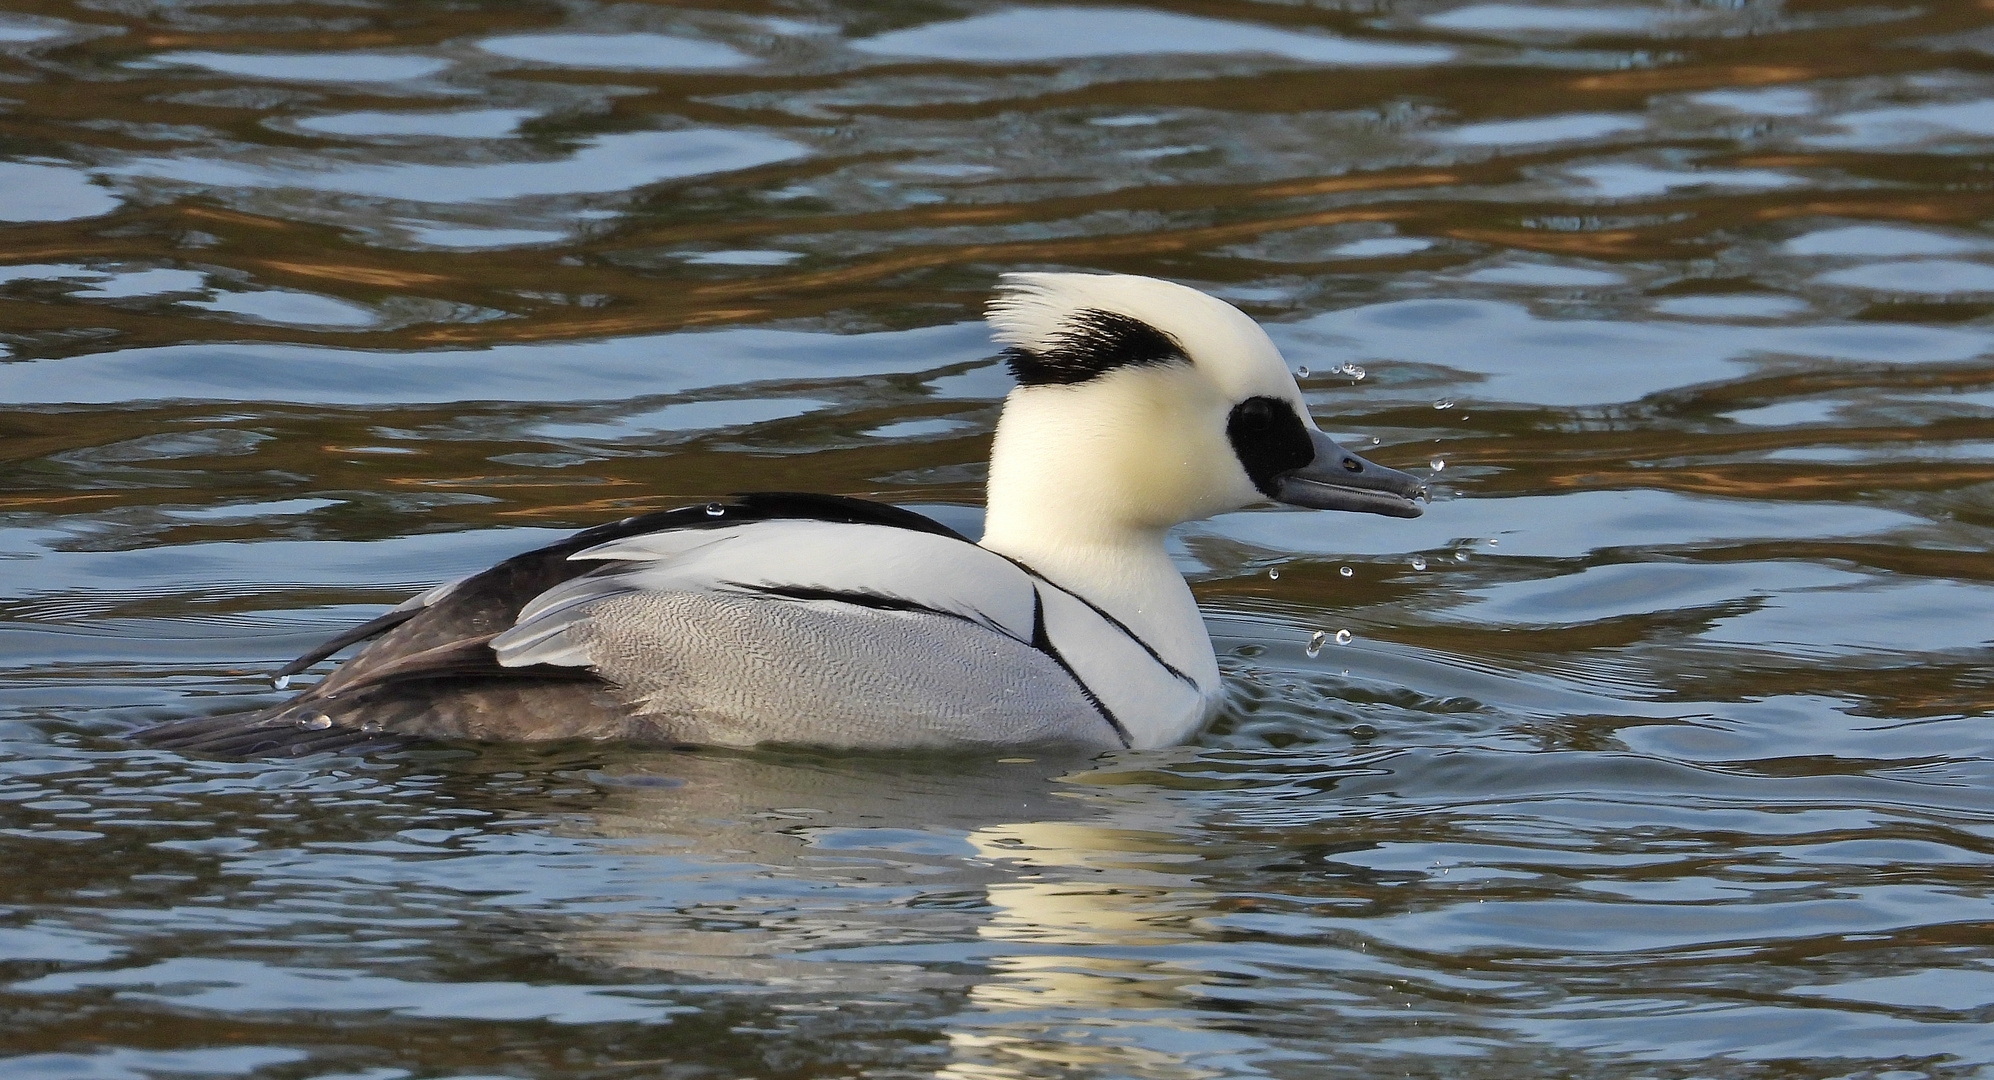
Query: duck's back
x=775 y=618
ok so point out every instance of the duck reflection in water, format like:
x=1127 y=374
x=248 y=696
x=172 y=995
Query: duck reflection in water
x=812 y=885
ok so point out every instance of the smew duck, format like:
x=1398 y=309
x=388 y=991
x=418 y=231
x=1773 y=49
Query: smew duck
x=796 y=618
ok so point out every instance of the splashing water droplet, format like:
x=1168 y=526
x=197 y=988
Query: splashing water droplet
x=1315 y=643
x=1352 y=370
x=1273 y=575
x=281 y=682
x=1461 y=556
x=1301 y=372
x=715 y=509
x=1343 y=638
x=1437 y=464
x=1346 y=571
x=1444 y=403
x=316 y=723
x=1419 y=562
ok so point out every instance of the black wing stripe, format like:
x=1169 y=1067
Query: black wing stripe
x=1110 y=620
x=882 y=602
x=1043 y=643
x=855 y=597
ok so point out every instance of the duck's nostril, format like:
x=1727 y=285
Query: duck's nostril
x=1351 y=464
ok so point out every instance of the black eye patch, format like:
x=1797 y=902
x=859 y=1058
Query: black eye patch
x=1269 y=440
x=1091 y=344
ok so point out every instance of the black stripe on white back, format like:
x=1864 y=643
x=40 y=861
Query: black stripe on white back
x=1042 y=641
x=1110 y=620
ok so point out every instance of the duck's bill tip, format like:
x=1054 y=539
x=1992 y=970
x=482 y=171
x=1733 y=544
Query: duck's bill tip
x=1340 y=480
x=1303 y=491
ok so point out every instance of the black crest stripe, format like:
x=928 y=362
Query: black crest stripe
x=1090 y=344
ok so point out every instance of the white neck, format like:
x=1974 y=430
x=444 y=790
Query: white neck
x=1056 y=503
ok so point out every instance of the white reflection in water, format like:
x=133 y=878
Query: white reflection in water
x=1600 y=593
x=1733 y=306
x=1932 y=277
x=1523 y=357
x=101 y=283
x=1542 y=129
x=624 y=52
x=1564 y=526
x=36 y=192
x=12 y=32
x=123 y=1063
x=684 y=416
x=1941 y=988
x=910 y=429
x=241 y=511
x=289 y=308
x=1559 y=20
x=307 y=67
x=1880 y=240
x=1772 y=101
x=460 y=124
x=1075 y=33
x=1545 y=275
x=445 y=236
x=610 y=163
x=741 y=257
x=1623 y=180
x=1787 y=413
x=1899 y=616
x=1908 y=124
x=611 y=369
x=252 y=986
x=144 y=283
x=1381 y=246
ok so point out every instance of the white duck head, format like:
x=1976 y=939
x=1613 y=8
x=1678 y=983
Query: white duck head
x=1143 y=403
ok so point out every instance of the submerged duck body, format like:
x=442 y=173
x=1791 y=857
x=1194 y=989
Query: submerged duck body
x=797 y=618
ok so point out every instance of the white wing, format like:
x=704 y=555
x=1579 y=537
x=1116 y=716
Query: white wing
x=784 y=559
x=807 y=630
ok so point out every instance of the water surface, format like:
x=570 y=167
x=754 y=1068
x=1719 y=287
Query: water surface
x=1658 y=748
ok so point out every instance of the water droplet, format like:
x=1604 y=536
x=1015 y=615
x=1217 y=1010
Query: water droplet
x=715 y=509
x=1461 y=556
x=281 y=682
x=372 y=727
x=1437 y=464
x=1345 y=571
x=1273 y=575
x=1316 y=642
x=1444 y=403
x=1376 y=441
x=1352 y=370
x=1493 y=541
x=1343 y=638
x=1419 y=562
x=316 y=723
x=1301 y=373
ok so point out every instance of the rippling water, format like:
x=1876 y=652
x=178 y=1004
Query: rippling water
x=1658 y=748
